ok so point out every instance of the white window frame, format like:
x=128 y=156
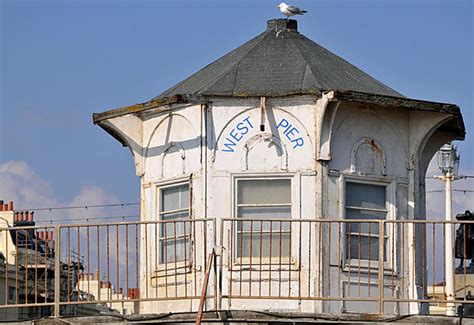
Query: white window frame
x=265 y=262
x=390 y=232
x=175 y=264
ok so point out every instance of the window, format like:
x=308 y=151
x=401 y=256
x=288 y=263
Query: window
x=174 y=235
x=263 y=199
x=365 y=201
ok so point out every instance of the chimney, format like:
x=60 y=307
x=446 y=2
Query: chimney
x=27 y=216
x=31 y=215
x=277 y=25
x=5 y=207
x=17 y=216
x=1 y=205
x=11 y=206
x=21 y=216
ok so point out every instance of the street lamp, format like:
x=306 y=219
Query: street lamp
x=448 y=163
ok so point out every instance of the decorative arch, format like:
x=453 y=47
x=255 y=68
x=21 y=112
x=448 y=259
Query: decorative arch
x=272 y=140
x=370 y=151
x=182 y=152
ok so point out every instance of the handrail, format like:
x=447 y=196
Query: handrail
x=204 y=287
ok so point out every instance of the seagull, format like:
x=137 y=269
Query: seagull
x=289 y=11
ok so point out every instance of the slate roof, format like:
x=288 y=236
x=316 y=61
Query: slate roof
x=280 y=61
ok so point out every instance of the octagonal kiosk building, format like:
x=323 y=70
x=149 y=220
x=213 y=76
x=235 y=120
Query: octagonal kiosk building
x=260 y=162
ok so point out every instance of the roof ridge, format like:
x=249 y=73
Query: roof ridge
x=380 y=83
x=211 y=83
x=307 y=65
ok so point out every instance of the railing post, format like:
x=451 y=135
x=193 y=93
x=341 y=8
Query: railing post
x=57 y=273
x=381 y=264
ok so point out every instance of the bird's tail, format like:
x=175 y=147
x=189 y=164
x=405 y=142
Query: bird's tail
x=303 y=12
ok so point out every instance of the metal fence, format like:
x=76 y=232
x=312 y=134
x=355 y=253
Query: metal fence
x=380 y=266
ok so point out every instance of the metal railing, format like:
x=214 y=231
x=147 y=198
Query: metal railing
x=379 y=266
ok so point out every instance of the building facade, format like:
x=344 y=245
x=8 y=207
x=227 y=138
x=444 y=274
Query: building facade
x=272 y=142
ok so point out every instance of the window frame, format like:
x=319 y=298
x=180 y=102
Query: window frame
x=174 y=265
x=390 y=233
x=264 y=262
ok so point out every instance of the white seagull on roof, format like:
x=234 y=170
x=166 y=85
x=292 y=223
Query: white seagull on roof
x=289 y=11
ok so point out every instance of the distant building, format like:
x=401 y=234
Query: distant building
x=282 y=129
x=95 y=289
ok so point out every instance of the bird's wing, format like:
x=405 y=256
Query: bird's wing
x=293 y=9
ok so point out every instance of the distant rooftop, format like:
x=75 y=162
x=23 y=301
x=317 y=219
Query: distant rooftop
x=280 y=61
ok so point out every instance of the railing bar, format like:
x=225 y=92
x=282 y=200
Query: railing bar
x=241 y=256
x=7 y=253
x=46 y=244
x=464 y=261
x=68 y=263
x=251 y=258
x=26 y=268
x=231 y=257
x=98 y=262
x=175 y=260
x=108 y=261
x=117 y=279
x=393 y=259
x=329 y=257
x=165 y=257
x=156 y=259
x=339 y=258
x=271 y=255
x=290 y=256
x=358 y=254
x=370 y=260
x=320 y=262
x=194 y=257
x=381 y=265
x=279 y=261
x=348 y=252
x=88 y=259
x=433 y=259
x=444 y=258
x=36 y=268
x=261 y=252
x=423 y=261
x=79 y=260
x=403 y=260
x=126 y=258
x=186 y=261
x=413 y=254
x=310 y=237
x=136 y=257
x=145 y=227
x=300 y=267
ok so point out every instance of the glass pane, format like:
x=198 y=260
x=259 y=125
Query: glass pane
x=260 y=242
x=365 y=195
x=364 y=226
x=279 y=212
x=264 y=226
x=360 y=245
x=168 y=229
x=261 y=191
x=175 y=250
x=174 y=198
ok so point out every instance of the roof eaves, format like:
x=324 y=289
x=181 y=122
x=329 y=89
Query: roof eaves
x=142 y=107
x=406 y=103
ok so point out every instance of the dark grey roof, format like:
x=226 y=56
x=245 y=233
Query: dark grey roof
x=280 y=61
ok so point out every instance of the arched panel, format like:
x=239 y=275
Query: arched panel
x=368 y=157
x=264 y=150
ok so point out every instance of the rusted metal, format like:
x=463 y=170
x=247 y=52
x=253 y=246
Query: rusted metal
x=283 y=260
x=202 y=299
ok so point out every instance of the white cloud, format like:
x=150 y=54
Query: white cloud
x=20 y=184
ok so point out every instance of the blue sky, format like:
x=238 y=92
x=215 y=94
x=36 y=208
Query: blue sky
x=63 y=60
